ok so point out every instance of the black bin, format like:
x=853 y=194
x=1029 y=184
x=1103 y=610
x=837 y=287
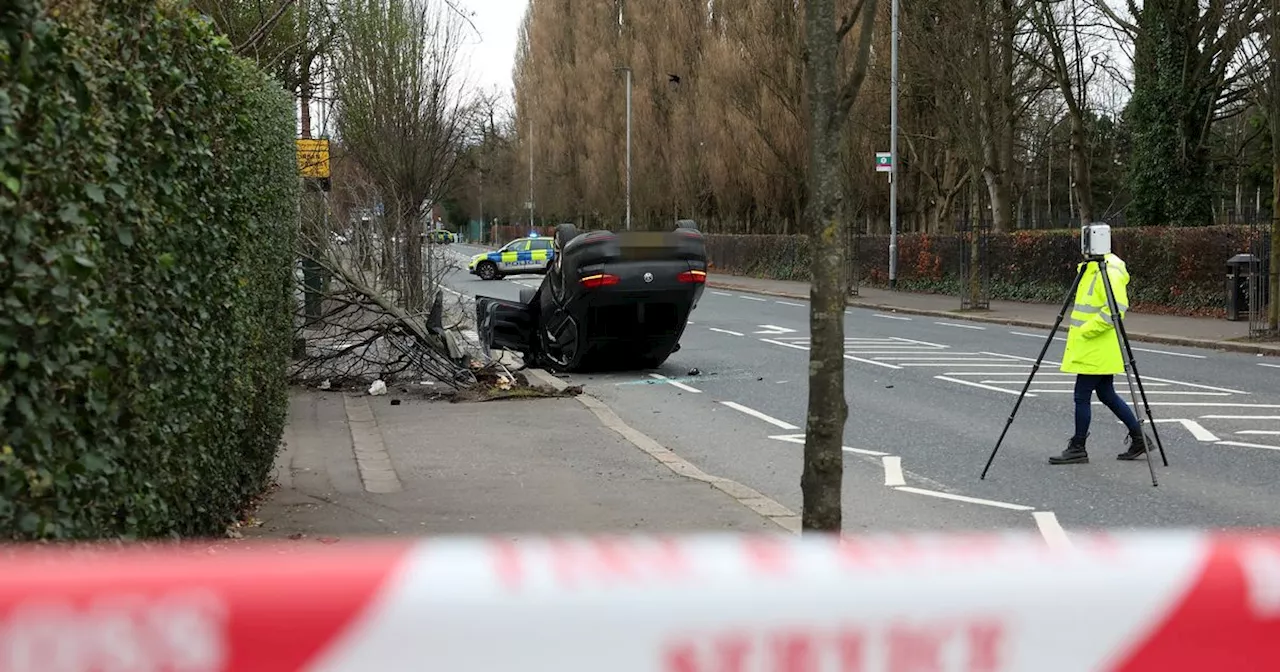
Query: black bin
x=1240 y=269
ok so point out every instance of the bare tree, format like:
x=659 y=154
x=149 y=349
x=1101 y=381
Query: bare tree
x=831 y=95
x=403 y=113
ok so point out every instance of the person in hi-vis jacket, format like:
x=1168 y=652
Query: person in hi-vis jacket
x=1093 y=354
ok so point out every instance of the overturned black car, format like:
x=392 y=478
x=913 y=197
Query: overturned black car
x=609 y=301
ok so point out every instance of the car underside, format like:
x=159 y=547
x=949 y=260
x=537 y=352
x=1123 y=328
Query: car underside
x=609 y=301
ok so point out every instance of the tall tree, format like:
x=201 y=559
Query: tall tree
x=831 y=95
x=403 y=115
x=1184 y=78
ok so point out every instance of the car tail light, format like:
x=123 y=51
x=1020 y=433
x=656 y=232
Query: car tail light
x=693 y=276
x=600 y=280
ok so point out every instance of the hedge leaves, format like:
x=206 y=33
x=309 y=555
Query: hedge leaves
x=148 y=200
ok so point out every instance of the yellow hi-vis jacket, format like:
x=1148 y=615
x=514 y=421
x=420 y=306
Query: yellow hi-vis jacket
x=1092 y=345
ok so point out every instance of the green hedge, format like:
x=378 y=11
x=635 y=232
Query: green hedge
x=1180 y=270
x=148 y=200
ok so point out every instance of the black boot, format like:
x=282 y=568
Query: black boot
x=1137 y=446
x=1074 y=454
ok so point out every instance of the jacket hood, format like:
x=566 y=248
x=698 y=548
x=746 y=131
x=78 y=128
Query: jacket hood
x=1113 y=262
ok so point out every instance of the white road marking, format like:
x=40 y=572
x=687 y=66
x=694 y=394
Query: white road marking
x=774 y=330
x=893 y=471
x=721 y=293
x=1173 y=354
x=788 y=303
x=911 y=340
x=1211 y=404
x=1040 y=336
x=761 y=416
x=1259 y=431
x=1241 y=444
x=979 y=385
x=1197 y=430
x=962 y=498
x=960 y=326
x=1270 y=366
x=785 y=345
x=799 y=438
x=753 y=298
x=1144 y=378
x=1151 y=392
x=675 y=383
x=891 y=317
x=871 y=361
x=981 y=365
x=726 y=331
x=1240 y=417
x=451 y=291
x=1051 y=530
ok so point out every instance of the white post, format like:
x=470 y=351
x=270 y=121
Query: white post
x=893 y=151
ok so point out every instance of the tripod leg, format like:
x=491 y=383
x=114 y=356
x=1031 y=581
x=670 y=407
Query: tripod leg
x=1066 y=305
x=1118 y=321
x=1143 y=392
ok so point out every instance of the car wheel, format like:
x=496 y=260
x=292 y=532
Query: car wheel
x=488 y=270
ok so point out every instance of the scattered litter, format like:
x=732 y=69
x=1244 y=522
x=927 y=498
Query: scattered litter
x=395 y=402
x=694 y=372
x=888 y=387
x=325 y=384
x=378 y=388
x=760 y=378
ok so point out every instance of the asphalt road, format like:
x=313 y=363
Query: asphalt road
x=928 y=399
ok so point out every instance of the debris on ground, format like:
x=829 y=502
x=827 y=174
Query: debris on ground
x=378 y=388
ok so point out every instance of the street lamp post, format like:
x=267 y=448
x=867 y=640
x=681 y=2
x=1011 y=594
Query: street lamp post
x=628 y=71
x=893 y=149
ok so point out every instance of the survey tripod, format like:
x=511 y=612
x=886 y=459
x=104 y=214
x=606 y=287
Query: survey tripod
x=1130 y=365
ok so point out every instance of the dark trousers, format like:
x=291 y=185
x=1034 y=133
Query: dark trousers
x=1086 y=385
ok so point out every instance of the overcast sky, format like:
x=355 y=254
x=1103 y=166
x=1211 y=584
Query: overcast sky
x=491 y=54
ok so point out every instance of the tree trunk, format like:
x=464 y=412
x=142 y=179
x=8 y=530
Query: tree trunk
x=1081 y=180
x=823 y=475
x=828 y=106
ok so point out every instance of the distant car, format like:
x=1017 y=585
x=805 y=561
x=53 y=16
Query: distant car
x=523 y=255
x=608 y=301
x=440 y=236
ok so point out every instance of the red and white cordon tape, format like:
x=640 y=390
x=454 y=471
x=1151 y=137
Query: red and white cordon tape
x=1165 y=601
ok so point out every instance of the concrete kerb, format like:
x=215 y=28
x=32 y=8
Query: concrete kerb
x=1233 y=346
x=762 y=505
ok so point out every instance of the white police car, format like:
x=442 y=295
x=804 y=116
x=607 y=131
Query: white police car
x=523 y=255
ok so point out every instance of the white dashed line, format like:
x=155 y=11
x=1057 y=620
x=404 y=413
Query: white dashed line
x=1041 y=336
x=1051 y=530
x=758 y=415
x=962 y=498
x=726 y=331
x=1240 y=417
x=960 y=326
x=675 y=383
x=1172 y=354
x=872 y=361
x=891 y=317
x=799 y=438
x=1269 y=366
x=785 y=345
x=979 y=385
x=721 y=293
x=1197 y=430
x=1240 y=444
x=893 y=471
x=788 y=303
x=1264 y=432
x=753 y=298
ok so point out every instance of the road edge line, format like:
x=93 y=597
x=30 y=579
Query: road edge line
x=759 y=504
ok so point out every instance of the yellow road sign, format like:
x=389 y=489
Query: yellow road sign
x=313 y=157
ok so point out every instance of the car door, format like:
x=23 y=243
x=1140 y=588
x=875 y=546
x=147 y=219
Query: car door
x=515 y=257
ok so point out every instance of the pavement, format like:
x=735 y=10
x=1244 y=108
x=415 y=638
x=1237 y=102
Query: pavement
x=929 y=395
x=355 y=465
